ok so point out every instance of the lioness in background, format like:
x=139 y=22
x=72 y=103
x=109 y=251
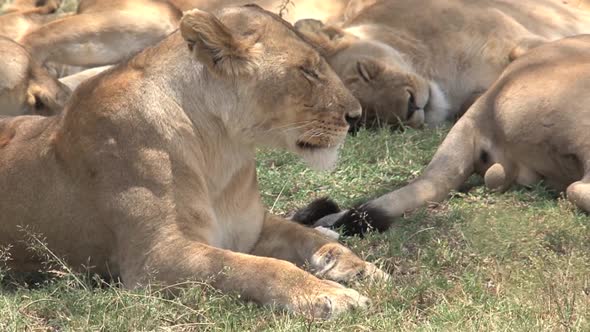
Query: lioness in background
x=531 y=125
x=102 y=32
x=31 y=7
x=16 y=25
x=151 y=166
x=105 y=32
x=324 y=10
x=25 y=86
x=582 y=4
x=426 y=61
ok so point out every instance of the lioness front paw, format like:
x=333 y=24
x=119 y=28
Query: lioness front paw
x=335 y=262
x=328 y=300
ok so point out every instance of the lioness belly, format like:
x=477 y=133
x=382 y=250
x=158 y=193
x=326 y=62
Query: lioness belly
x=558 y=168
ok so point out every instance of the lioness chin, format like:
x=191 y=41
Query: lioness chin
x=150 y=170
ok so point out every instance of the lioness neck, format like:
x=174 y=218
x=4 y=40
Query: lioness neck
x=173 y=103
x=213 y=114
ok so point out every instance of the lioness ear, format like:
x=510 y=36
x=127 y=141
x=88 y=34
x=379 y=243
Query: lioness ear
x=368 y=69
x=215 y=45
x=326 y=38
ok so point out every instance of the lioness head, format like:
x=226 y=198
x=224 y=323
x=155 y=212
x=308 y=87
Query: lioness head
x=389 y=90
x=25 y=86
x=297 y=102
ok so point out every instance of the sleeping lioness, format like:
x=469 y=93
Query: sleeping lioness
x=105 y=32
x=149 y=172
x=16 y=25
x=31 y=7
x=292 y=10
x=102 y=32
x=531 y=125
x=25 y=86
x=426 y=61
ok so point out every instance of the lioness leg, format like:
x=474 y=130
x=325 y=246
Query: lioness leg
x=301 y=245
x=95 y=39
x=579 y=193
x=261 y=279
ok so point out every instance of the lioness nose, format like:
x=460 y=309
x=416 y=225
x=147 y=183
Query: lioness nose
x=353 y=117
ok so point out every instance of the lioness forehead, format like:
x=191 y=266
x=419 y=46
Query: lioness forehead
x=263 y=15
x=279 y=20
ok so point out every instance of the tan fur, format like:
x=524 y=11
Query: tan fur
x=440 y=53
x=32 y=7
x=152 y=166
x=325 y=10
x=582 y=4
x=26 y=87
x=531 y=124
x=102 y=32
x=105 y=32
x=16 y=25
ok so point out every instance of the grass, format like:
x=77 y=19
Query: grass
x=480 y=261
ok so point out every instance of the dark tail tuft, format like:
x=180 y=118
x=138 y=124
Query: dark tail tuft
x=356 y=221
x=315 y=211
x=362 y=220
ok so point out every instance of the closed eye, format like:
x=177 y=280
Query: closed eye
x=310 y=74
x=363 y=72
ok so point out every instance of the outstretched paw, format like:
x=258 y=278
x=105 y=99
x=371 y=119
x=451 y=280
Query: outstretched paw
x=335 y=262
x=328 y=300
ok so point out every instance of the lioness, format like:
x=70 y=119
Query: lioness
x=105 y=32
x=150 y=173
x=16 y=25
x=531 y=125
x=32 y=6
x=25 y=86
x=325 y=10
x=102 y=32
x=583 y=4
x=426 y=61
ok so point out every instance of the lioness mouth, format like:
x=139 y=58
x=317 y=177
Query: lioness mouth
x=308 y=146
